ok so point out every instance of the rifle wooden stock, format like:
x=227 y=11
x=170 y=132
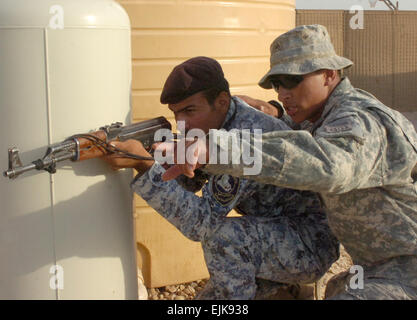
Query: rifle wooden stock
x=89 y=150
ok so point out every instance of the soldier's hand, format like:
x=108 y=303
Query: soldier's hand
x=261 y=105
x=195 y=155
x=117 y=161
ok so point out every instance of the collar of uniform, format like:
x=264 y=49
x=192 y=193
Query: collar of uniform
x=343 y=87
x=230 y=114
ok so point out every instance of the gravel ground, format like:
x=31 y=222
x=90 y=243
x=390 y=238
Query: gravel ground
x=186 y=291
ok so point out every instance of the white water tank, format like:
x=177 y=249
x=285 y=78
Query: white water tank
x=65 y=68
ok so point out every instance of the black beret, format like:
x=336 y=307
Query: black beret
x=192 y=76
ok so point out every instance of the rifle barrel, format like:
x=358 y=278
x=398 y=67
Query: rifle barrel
x=13 y=173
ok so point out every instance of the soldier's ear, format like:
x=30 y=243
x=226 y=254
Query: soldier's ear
x=330 y=77
x=222 y=101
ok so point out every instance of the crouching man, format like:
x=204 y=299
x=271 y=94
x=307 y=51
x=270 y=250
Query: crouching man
x=282 y=235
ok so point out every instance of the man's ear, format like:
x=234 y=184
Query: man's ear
x=331 y=77
x=222 y=101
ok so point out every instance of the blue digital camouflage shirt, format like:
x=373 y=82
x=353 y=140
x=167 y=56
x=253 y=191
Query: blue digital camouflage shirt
x=197 y=217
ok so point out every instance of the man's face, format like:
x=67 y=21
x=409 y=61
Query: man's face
x=306 y=101
x=197 y=113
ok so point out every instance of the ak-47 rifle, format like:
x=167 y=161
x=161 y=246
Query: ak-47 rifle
x=90 y=145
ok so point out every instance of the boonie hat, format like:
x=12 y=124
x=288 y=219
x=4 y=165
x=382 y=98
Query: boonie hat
x=192 y=76
x=303 y=50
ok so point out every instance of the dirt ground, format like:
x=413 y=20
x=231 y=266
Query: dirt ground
x=342 y=264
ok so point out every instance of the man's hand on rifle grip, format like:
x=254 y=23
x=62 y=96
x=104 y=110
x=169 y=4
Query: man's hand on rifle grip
x=117 y=162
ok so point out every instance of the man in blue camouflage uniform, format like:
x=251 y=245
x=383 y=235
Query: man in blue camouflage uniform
x=359 y=155
x=282 y=235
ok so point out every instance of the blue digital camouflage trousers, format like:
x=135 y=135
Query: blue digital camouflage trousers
x=290 y=250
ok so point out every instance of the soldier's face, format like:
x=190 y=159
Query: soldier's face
x=197 y=113
x=306 y=101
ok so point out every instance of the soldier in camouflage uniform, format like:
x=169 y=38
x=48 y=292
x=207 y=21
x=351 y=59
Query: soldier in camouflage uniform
x=282 y=235
x=359 y=155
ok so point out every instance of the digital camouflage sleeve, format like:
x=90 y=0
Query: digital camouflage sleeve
x=361 y=157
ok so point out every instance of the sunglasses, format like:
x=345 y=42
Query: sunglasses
x=287 y=81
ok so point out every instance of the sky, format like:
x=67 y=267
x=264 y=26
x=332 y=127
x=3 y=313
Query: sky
x=346 y=4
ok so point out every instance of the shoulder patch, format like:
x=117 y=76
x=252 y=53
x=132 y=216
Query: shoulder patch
x=225 y=188
x=346 y=125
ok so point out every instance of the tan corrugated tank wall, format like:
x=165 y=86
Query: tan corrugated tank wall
x=165 y=33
